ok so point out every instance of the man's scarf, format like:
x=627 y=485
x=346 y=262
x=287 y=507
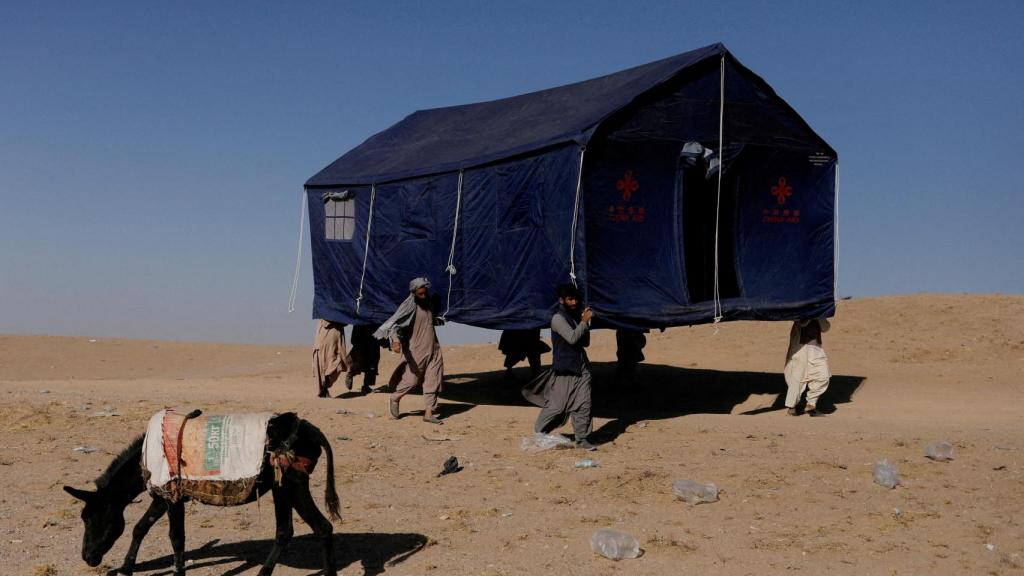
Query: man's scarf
x=395 y=326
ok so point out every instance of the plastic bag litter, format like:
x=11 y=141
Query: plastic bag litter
x=885 y=474
x=541 y=441
x=614 y=544
x=695 y=492
x=940 y=451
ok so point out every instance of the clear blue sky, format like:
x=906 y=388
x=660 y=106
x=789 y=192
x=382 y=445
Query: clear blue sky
x=152 y=154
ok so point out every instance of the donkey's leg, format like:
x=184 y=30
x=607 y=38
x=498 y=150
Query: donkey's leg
x=310 y=514
x=283 y=516
x=176 y=517
x=157 y=508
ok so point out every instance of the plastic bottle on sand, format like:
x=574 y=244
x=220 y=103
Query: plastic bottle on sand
x=940 y=451
x=885 y=474
x=615 y=545
x=695 y=492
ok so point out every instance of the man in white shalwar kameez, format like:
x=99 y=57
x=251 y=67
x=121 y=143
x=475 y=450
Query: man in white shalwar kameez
x=806 y=365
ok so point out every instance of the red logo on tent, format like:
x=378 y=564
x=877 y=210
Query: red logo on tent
x=627 y=185
x=781 y=191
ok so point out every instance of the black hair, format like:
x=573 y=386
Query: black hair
x=568 y=290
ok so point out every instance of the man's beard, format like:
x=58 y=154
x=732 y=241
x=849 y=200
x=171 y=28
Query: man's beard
x=422 y=302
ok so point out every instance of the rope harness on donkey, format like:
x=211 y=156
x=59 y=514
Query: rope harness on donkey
x=284 y=457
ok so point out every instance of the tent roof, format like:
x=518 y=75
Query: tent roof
x=447 y=139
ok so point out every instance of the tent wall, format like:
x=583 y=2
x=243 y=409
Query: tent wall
x=784 y=177
x=515 y=240
x=512 y=246
x=335 y=285
x=784 y=247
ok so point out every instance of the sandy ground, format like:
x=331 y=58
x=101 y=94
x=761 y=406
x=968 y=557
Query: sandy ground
x=797 y=493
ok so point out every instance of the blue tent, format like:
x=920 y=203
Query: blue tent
x=673 y=193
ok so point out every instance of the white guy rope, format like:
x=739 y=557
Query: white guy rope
x=366 y=246
x=721 y=168
x=451 y=253
x=298 y=258
x=575 y=218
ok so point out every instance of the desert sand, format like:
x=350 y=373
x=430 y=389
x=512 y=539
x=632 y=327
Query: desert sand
x=797 y=493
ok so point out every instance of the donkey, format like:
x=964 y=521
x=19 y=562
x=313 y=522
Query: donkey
x=103 y=513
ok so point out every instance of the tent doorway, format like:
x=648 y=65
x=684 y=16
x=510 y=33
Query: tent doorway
x=698 y=195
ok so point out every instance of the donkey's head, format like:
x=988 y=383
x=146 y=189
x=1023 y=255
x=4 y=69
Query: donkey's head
x=103 y=513
x=104 y=522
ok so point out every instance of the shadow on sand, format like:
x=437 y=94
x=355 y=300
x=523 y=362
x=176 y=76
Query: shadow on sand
x=664 y=392
x=374 y=552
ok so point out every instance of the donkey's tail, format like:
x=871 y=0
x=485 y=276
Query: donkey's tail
x=330 y=491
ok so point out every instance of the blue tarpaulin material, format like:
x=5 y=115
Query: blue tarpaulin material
x=604 y=180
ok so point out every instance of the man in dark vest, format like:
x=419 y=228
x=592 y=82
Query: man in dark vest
x=567 y=393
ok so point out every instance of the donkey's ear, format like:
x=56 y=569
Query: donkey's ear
x=83 y=495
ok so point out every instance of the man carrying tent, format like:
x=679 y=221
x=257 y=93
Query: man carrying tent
x=565 y=391
x=629 y=352
x=806 y=365
x=365 y=356
x=329 y=356
x=519 y=345
x=411 y=333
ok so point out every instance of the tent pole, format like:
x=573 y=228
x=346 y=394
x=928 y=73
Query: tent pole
x=366 y=246
x=721 y=168
x=575 y=219
x=451 y=254
x=298 y=258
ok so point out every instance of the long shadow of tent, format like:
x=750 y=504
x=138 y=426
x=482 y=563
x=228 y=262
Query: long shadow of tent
x=374 y=551
x=665 y=392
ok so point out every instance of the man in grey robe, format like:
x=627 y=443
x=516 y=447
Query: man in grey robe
x=411 y=332
x=566 y=392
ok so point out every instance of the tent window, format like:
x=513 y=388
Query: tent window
x=339 y=216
